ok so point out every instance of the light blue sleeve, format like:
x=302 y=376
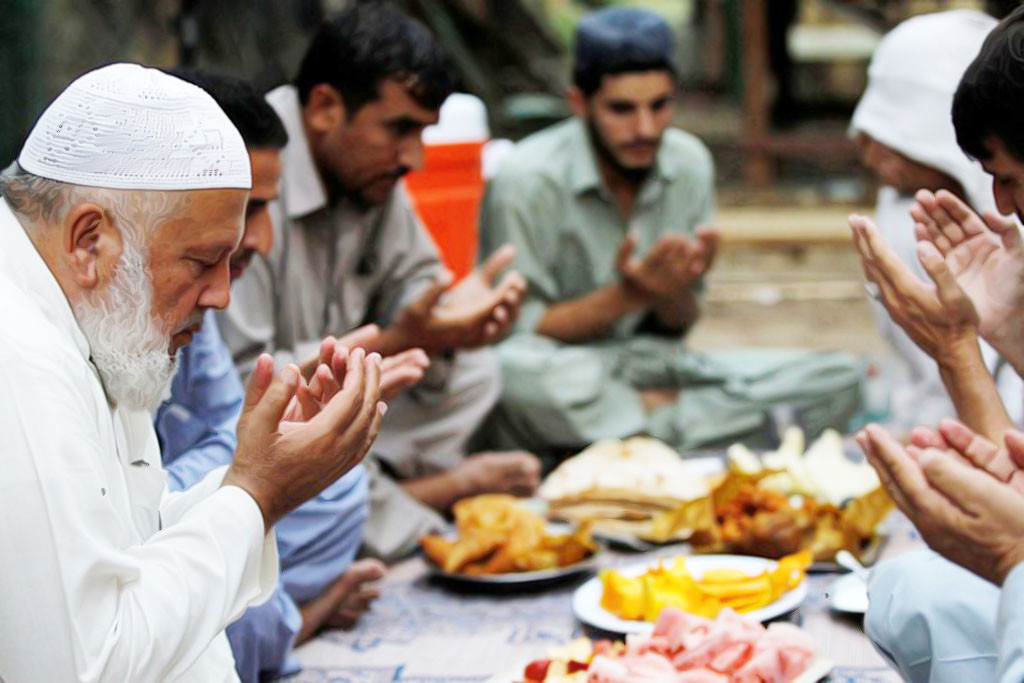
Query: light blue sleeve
x=1010 y=628
x=261 y=640
x=318 y=540
x=197 y=424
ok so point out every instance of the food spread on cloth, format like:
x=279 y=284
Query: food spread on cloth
x=785 y=502
x=672 y=584
x=497 y=534
x=619 y=486
x=684 y=648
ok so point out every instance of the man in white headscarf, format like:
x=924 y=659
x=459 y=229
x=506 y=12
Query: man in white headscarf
x=954 y=617
x=117 y=225
x=906 y=135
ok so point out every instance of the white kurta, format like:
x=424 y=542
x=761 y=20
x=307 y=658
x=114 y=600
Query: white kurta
x=104 y=576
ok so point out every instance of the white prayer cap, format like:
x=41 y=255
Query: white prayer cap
x=907 y=105
x=129 y=127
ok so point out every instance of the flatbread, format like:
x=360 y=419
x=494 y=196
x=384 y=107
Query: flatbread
x=639 y=469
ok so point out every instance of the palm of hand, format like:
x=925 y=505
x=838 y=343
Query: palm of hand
x=463 y=310
x=468 y=293
x=292 y=419
x=992 y=277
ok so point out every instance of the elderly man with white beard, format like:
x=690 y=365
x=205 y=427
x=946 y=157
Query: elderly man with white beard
x=117 y=225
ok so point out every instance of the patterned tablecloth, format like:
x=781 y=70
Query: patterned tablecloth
x=420 y=630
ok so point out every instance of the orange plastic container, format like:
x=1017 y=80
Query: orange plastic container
x=446 y=194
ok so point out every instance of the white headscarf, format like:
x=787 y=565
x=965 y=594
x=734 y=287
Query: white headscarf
x=908 y=101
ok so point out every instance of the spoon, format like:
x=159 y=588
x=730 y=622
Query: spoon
x=846 y=559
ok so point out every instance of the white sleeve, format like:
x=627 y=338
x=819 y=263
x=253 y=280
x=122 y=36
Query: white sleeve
x=1010 y=628
x=82 y=598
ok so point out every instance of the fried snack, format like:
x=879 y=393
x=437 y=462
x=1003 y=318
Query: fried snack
x=740 y=516
x=672 y=585
x=497 y=535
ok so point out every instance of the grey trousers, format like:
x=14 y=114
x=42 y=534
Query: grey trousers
x=561 y=396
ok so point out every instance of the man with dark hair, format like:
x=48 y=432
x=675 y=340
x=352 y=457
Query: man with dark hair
x=318 y=542
x=349 y=251
x=956 y=614
x=605 y=211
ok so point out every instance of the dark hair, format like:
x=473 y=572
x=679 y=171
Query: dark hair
x=990 y=98
x=1000 y=8
x=369 y=42
x=256 y=120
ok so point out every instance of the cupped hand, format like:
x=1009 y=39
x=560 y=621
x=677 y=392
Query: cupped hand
x=962 y=512
x=1005 y=463
x=985 y=255
x=939 y=318
x=475 y=312
x=399 y=371
x=283 y=460
x=671 y=267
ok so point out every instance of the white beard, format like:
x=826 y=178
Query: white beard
x=128 y=348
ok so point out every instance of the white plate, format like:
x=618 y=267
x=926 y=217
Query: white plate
x=815 y=671
x=586 y=601
x=848 y=593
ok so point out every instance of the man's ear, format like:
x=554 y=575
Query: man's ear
x=578 y=102
x=92 y=244
x=325 y=108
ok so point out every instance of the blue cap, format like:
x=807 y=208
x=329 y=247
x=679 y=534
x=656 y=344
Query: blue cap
x=621 y=35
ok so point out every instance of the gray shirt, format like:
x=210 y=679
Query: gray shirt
x=333 y=267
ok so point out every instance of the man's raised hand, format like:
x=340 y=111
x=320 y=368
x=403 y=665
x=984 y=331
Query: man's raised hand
x=962 y=512
x=398 y=372
x=473 y=313
x=283 y=462
x=672 y=265
x=1005 y=463
x=941 y=318
x=986 y=256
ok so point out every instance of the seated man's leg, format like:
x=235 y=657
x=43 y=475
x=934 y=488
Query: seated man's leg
x=397 y=520
x=933 y=619
x=558 y=396
x=425 y=432
x=732 y=395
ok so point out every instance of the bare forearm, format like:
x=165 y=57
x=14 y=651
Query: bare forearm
x=438 y=491
x=678 y=313
x=1010 y=346
x=590 y=316
x=973 y=391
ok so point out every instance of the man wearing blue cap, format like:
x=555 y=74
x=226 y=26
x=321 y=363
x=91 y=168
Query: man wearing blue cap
x=605 y=211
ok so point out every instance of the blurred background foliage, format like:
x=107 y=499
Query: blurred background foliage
x=766 y=74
